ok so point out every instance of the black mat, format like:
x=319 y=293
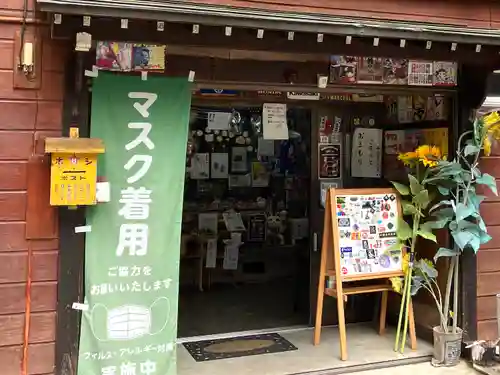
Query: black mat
x=210 y=350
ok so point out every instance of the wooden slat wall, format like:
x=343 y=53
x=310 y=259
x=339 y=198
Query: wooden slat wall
x=481 y=14
x=488 y=257
x=26 y=117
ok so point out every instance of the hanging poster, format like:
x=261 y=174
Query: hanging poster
x=420 y=73
x=343 y=69
x=394 y=141
x=329 y=161
x=370 y=70
x=274 y=120
x=367 y=226
x=395 y=71
x=114 y=56
x=131 y=280
x=330 y=129
x=445 y=73
x=419 y=108
x=405 y=109
x=366 y=156
x=256 y=227
x=148 y=57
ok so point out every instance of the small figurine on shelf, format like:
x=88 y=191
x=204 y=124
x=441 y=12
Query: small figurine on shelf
x=276 y=228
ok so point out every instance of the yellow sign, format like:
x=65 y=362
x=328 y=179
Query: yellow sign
x=73 y=179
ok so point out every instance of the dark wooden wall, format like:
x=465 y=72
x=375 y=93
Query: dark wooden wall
x=27 y=115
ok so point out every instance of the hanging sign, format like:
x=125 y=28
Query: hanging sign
x=366 y=159
x=131 y=268
x=73 y=171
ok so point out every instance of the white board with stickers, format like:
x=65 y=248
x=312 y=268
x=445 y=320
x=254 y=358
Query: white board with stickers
x=367 y=225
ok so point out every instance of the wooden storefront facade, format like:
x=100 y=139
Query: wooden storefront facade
x=36 y=237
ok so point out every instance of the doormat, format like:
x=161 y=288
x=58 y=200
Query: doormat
x=210 y=350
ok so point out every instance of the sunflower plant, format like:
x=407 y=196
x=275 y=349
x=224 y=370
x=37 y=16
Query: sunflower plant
x=454 y=184
x=417 y=197
x=458 y=209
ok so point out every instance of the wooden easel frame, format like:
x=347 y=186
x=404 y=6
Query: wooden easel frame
x=330 y=266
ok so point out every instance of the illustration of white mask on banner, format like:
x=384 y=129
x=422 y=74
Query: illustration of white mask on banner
x=128 y=322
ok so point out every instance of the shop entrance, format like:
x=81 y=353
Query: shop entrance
x=245 y=233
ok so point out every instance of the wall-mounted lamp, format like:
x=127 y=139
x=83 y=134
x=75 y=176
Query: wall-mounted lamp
x=27 y=60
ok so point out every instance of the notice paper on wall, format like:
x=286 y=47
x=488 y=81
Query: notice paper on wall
x=366 y=157
x=274 y=120
x=218 y=120
x=231 y=254
x=211 y=257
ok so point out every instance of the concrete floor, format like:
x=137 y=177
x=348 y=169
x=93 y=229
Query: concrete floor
x=422 y=368
x=365 y=349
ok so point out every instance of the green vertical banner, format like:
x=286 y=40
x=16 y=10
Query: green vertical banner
x=129 y=318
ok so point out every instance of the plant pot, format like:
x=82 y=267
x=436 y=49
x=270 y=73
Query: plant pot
x=447 y=347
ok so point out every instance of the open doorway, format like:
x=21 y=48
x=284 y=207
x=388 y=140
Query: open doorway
x=245 y=232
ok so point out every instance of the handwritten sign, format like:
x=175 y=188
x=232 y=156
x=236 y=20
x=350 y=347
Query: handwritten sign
x=367 y=226
x=366 y=160
x=274 y=120
x=73 y=179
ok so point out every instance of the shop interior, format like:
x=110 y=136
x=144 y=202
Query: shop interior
x=274 y=277
x=273 y=192
x=245 y=233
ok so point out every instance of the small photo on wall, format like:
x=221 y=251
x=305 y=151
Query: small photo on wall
x=445 y=73
x=148 y=57
x=370 y=70
x=114 y=56
x=343 y=69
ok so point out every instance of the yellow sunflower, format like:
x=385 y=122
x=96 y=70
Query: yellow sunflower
x=397 y=284
x=428 y=155
x=406 y=263
x=487 y=145
x=491 y=119
x=408 y=158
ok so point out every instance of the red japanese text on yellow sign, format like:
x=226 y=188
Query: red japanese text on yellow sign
x=73 y=179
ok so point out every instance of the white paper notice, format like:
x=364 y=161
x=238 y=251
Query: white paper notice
x=366 y=156
x=231 y=254
x=218 y=120
x=211 y=257
x=102 y=192
x=274 y=121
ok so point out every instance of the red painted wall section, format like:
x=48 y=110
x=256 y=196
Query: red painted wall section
x=26 y=117
x=480 y=14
